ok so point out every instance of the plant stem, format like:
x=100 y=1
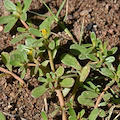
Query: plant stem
x=51 y=60
x=57 y=90
x=76 y=86
x=26 y=26
x=101 y=95
x=14 y=75
x=62 y=103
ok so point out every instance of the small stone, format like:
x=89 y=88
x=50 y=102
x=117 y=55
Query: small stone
x=106 y=8
x=110 y=31
x=10 y=106
x=84 y=13
x=12 y=94
x=1 y=28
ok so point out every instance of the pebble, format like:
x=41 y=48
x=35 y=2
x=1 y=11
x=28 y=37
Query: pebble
x=1 y=28
x=84 y=12
x=106 y=8
x=110 y=31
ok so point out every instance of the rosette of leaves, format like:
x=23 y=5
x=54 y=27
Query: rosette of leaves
x=17 y=12
x=52 y=81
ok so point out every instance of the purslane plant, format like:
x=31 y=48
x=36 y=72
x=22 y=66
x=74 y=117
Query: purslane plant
x=30 y=55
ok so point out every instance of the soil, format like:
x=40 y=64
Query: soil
x=100 y=16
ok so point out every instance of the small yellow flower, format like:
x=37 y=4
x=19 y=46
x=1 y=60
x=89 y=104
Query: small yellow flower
x=44 y=33
x=30 y=52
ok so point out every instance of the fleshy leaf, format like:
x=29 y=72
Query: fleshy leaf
x=106 y=72
x=106 y=96
x=15 y=63
x=35 y=32
x=39 y=91
x=65 y=91
x=5 y=19
x=10 y=24
x=110 y=59
x=9 y=5
x=21 y=29
x=84 y=73
x=57 y=43
x=89 y=94
x=92 y=57
x=71 y=112
x=60 y=71
x=85 y=101
x=70 y=60
x=41 y=79
x=94 y=114
x=44 y=116
x=6 y=59
x=19 y=38
x=26 y=5
x=2 y=117
x=52 y=45
x=77 y=49
x=23 y=16
x=67 y=82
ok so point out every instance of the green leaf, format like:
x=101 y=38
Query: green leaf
x=57 y=43
x=84 y=73
x=54 y=113
x=41 y=79
x=106 y=72
x=82 y=57
x=6 y=59
x=106 y=96
x=94 y=114
x=70 y=60
x=85 y=101
x=45 y=63
x=23 y=16
x=89 y=94
x=118 y=70
x=71 y=112
x=9 y=5
x=19 y=38
x=65 y=91
x=60 y=71
x=18 y=55
x=102 y=104
x=2 y=117
x=15 y=63
x=72 y=118
x=52 y=45
x=26 y=5
x=23 y=72
x=21 y=29
x=67 y=82
x=44 y=116
x=5 y=19
x=35 y=32
x=110 y=59
x=39 y=91
x=102 y=112
x=10 y=24
x=77 y=49
x=112 y=51
x=46 y=24
x=92 y=57
x=81 y=113
x=19 y=6
x=93 y=38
